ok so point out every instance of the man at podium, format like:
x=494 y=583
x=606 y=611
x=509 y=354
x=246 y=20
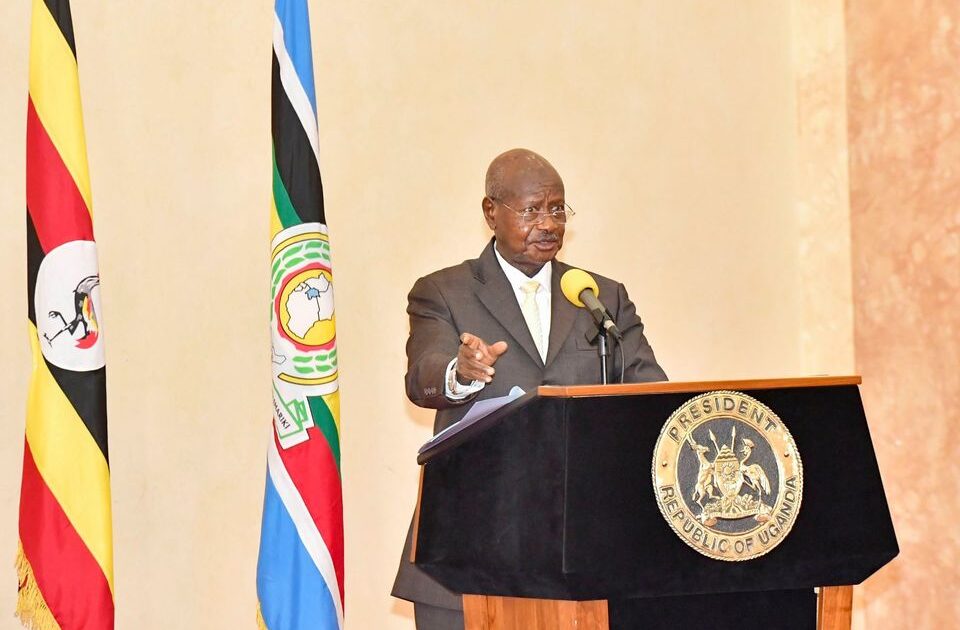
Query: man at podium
x=482 y=327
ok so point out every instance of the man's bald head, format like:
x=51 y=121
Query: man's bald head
x=518 y=181
x=509 y=171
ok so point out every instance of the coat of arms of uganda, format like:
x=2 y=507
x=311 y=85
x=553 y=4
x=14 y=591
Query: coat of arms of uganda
x=727 y=476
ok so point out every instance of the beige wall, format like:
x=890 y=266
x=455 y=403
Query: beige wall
x=675 y=125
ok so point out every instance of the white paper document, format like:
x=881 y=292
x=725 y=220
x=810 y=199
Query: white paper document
x=480 y=409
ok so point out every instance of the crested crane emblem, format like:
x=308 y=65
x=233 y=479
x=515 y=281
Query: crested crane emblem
x=732 y=497
x=84 y=316
x=67 y=307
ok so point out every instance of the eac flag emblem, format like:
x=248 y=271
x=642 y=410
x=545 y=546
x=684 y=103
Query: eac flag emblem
x=303 y=327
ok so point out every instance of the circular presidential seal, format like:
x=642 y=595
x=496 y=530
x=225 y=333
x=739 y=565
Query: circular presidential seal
x=727 y=476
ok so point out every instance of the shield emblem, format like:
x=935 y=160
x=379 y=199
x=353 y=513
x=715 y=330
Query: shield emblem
x=727 y=473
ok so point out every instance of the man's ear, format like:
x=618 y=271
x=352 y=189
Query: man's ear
x=488 y=212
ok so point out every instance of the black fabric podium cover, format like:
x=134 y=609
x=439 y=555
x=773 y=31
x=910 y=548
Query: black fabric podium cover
x=551 y=497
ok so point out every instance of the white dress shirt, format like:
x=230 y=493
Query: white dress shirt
x=453 y=389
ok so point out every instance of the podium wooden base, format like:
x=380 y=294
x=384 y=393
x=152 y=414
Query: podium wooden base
x=482 y=612
x=835 y=608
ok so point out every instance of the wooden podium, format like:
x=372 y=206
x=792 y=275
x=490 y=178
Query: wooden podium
x=544 y=514
x=491 y=612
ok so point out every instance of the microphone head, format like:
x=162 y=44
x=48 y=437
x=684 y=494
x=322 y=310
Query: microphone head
x=574 y=281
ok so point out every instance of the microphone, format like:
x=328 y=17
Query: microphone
x=581 y=289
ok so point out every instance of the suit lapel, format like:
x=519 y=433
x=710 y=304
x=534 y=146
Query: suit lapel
x=496 y=294
x=562 y=313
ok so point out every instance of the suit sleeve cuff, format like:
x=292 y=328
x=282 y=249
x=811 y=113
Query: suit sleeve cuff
x=452 y=388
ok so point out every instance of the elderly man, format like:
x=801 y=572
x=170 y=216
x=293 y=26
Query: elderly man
x=486 y=325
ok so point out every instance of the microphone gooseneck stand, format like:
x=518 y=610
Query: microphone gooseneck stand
x=602 y=350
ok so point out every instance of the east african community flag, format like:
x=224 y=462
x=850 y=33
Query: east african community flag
x=65 y=556
x=300 y=568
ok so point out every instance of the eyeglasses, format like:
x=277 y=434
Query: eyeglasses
x=560 y=213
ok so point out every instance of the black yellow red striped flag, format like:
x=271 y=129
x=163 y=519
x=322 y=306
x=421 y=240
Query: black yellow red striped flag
x=65 y=555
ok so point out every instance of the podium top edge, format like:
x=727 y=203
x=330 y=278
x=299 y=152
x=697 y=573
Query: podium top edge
x=681 y=387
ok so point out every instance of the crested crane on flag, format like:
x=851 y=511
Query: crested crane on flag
x=65 y=553
x=300 y=565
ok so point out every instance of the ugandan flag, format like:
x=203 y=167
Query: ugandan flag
x=300 y=565
x=65 y=556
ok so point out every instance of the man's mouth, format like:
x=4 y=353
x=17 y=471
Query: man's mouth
x=546 y=244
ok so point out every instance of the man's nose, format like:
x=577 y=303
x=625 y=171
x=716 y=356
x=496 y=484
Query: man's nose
x=548 y=223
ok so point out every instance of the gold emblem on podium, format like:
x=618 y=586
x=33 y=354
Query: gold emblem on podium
x=727 y=476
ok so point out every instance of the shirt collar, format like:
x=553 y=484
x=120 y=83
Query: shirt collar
x=517 y=278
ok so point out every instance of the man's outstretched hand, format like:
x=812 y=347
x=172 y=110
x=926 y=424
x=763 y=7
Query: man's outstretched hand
x=476 y=357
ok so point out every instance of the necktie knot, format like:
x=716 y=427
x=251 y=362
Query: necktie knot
x=530 y=287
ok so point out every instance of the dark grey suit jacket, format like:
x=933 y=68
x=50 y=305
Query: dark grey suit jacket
x=476 y=297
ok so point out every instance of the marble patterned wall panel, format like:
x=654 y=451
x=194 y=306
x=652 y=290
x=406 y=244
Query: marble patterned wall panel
x=903 y=70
